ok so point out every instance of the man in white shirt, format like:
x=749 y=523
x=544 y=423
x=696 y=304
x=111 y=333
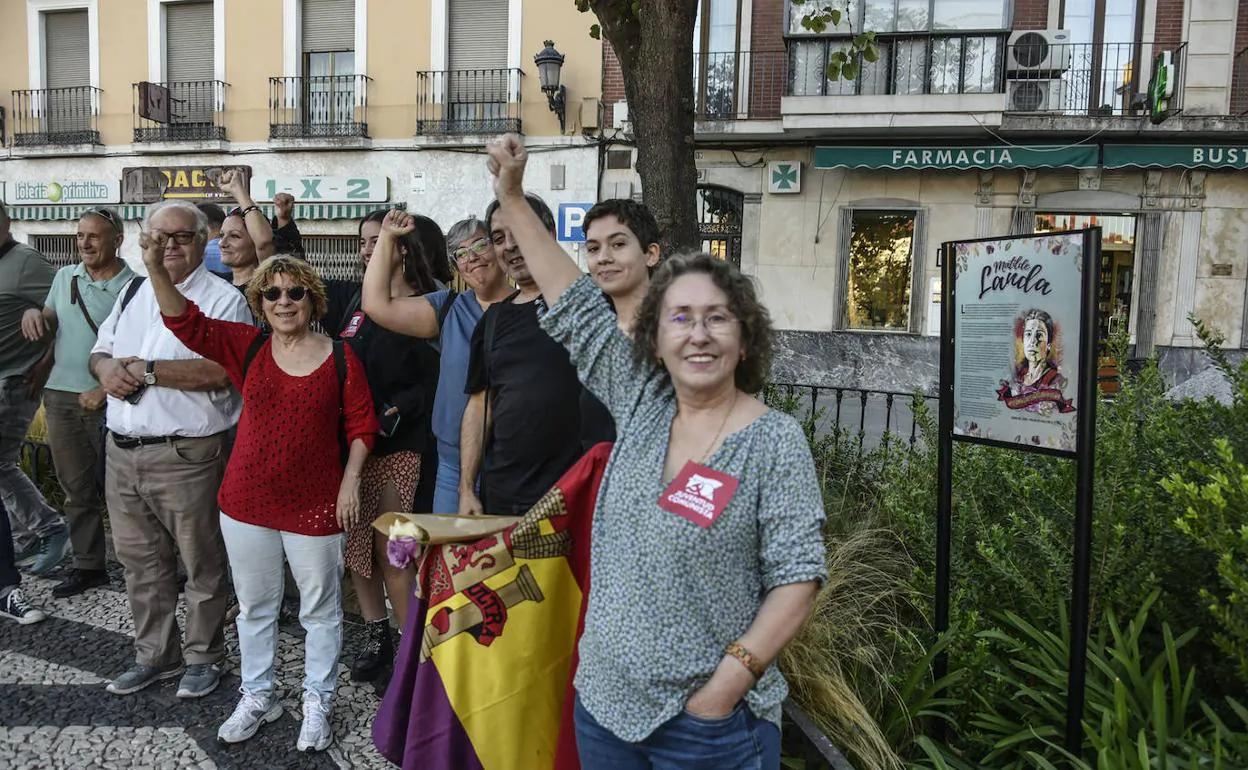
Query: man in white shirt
x=169 y=413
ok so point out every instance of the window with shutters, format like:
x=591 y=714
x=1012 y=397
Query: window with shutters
x=189 y=65
x=67 y=65
x=328 y=47
x=479 y=85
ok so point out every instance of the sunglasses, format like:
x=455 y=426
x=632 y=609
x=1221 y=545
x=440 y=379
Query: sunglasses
x=274 y=293
x=106 y=214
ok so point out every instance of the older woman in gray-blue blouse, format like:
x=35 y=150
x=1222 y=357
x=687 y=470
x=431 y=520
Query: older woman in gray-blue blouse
x=707 y=550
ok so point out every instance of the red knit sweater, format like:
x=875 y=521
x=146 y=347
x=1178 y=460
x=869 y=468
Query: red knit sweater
x=284 y=471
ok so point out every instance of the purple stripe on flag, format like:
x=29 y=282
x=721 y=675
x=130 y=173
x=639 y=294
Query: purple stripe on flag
x=416 y=727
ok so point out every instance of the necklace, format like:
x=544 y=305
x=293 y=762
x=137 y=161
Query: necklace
x=715 y=439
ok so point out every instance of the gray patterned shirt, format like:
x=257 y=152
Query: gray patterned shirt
x=667 y=595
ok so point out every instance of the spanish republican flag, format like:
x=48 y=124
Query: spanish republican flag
x=483 y=678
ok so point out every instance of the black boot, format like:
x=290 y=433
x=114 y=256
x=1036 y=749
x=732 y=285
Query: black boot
x=377 y=653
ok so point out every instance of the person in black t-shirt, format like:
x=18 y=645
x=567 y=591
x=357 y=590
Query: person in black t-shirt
x=246 y=236
x=521 y=386
x=622 y=246
x=402 y=374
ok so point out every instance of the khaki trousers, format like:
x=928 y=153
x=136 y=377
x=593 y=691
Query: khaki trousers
x=162 y=502
x=74 y=435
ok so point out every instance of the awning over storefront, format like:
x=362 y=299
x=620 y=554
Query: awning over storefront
x=136 y=212
x=1174 y=156
x=958 y=158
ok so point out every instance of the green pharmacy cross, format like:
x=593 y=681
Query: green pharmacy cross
x=784 y=176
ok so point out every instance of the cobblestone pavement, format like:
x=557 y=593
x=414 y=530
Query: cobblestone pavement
x=55 y=713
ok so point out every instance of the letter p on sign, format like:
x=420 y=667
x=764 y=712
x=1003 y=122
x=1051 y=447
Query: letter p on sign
x=571 y=219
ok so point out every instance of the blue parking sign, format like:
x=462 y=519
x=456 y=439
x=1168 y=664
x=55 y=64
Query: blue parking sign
x=571 y=217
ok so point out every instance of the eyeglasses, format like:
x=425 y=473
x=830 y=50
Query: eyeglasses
x=479 y=248
x=715 y=323
x=180 y=237
x=274 y=293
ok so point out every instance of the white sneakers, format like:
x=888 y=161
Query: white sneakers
x=255 y=711
x=316 y=733
x=252 y=713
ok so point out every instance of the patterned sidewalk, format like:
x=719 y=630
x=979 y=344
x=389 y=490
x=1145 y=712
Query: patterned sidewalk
x=55 y=713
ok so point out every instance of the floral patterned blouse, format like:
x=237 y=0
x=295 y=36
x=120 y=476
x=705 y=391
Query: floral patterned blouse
x=667 y=595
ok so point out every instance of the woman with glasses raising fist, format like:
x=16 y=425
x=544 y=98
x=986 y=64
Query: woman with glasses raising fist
x=286 y=493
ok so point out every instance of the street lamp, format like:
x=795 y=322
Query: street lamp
x=549 y=64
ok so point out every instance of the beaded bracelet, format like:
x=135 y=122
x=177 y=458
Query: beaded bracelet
x=747 y=659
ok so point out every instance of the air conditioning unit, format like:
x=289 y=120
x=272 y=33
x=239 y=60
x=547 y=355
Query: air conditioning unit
x=1035 y=95
x=1038 y=50
x=619 y=115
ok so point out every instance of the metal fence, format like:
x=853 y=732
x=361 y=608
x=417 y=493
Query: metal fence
x=1106 y=80
x=477 y=101
x=196 y=113
x=318 y=107
x=858 y=416
x=56 y=116
x=739 y=85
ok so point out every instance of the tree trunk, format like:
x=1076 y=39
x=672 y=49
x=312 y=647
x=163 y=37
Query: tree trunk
x=655 y=49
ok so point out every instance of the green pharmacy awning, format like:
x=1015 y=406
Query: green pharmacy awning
x=1175 y=156
x=957 y=158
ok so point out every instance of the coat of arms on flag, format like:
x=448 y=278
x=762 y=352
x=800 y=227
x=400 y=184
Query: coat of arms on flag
x=483 y=680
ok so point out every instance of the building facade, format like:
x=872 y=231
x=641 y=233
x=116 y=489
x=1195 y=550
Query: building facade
x=349 y=105
x=981 y=118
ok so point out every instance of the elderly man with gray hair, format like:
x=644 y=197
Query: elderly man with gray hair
x=169 y=414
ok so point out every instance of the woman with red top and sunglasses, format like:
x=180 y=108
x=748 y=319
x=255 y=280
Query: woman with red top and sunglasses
x=286 y=495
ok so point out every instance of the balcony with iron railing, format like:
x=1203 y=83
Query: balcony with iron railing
x=919 y=81
x=1107 y=80
x=474 y=102
x=188 y=111
x=56 y=118
x=739 y=85
x=319 y=107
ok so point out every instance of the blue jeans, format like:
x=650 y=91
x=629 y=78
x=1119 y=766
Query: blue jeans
x=739 y=741
x=30 y=516
x=446 y=489
x=316 y=564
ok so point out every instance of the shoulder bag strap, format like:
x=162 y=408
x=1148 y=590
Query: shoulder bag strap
x=76 y=299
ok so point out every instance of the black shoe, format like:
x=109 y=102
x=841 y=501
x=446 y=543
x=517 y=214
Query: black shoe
x=378 y=652
x=78 y=581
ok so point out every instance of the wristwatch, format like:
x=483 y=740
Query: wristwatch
x=149 y=374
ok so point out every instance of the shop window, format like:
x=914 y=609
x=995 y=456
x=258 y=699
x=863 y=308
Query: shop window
x=878 y=268
x=60 y=250
x=1116 y=297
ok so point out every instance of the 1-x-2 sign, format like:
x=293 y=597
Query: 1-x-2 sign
x=323 y=189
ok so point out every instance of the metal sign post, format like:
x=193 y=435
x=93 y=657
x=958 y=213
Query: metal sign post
x=1025 y=309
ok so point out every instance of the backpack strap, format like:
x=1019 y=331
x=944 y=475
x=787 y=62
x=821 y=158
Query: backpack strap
x=445 y=310
x=340 y=366
x=257 y=342
x=132 y=288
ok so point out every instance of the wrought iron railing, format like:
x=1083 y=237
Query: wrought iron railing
x=196 y=112
x=318 y=107
x=857 y=415
x=907 y=64
x=481 y=101
x=739 y=85
x=56 y=116
x=1239 y=84
x=1105 y=80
